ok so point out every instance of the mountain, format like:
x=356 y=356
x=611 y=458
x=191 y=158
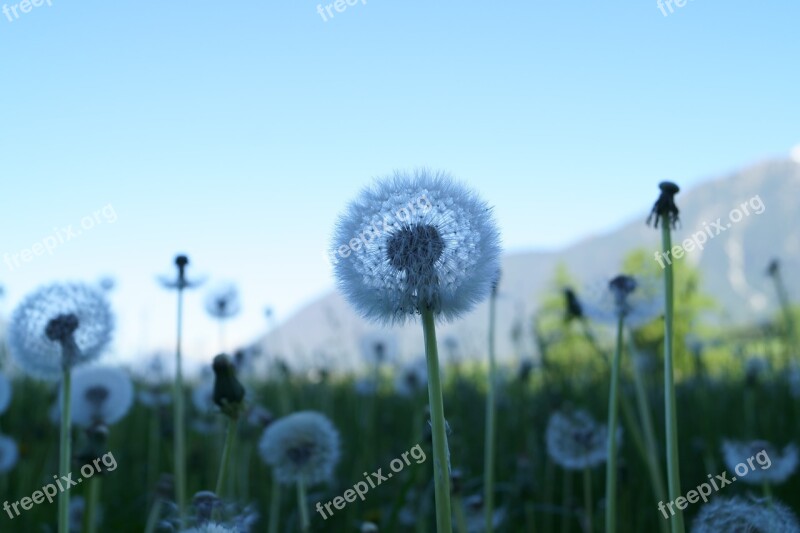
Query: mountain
x=751 y=217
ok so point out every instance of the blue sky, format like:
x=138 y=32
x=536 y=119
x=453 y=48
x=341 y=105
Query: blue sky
x=237 y=131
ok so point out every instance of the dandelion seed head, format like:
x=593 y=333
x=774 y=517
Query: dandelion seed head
x=637 y=300
x=379 y=347
x=412 y=377
x=211 y=527
x=739 y=514
x=778 y=465
x=301 y=445
x=576 y=441
x=100 y=395
x=223 y=301
x=414 y=241
x=9 y=454
x=52 y=316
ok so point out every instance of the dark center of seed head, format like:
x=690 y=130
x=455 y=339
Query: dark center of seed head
x=415 y=247
x=301 y=453
x=61 y=327
x=97 y=395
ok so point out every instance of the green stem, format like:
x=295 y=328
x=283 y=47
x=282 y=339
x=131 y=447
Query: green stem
x=670 y=414
x=441 y=454
x=302 y=504
x=92 y=504
x=461 y=519
x=613 y=414
x=153 y=445
x=488 y=459
x=152 y=518
x=566 y=503
x=783 y=297
x=180 y=447
x=274 y=506
x=65 y=449
x=226 y=456
x=587 y=499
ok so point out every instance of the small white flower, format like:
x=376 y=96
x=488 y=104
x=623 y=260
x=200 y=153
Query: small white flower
x=769 y=463
x=32 y=347
x=415 y=241
x=211 y=527
x=100 y=395
x=301 y=445
x=576 y=441
x=745 y=515
x=5 y=393
x=9 y=454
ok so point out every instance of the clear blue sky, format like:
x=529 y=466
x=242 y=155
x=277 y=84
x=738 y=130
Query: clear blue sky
x=237 y=131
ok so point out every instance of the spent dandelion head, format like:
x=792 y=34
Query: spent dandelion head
x=576 y=441
x=573 y=310
x=5 y=393
x=100 y=395
x=302 y=446
x=59 y=326
x=416 y=241
x=665 y=209
x=181 y=281
x=412 y=378
x=9 y=454
x=223 y=302
x=771 y=464
x=746 y=515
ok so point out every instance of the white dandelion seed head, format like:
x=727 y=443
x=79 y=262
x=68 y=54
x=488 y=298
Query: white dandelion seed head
x=379 y=347
x=100 y=395
x=223 y=301
x=5 y=393
x=746 y=516
x=412 y=241
x=770 y=464
x=576 y=441
x=301 y=445
x=28 y=342
x=637 y=299
x=9 y=454
x=412 y=378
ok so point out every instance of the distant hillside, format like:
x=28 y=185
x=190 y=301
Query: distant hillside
x=732 y=263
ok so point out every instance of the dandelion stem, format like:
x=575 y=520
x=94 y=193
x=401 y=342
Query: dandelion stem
x=274 y=506
x=152 y=518
x=441 y=454
x=587 y=499
x=180 y=459
x=613 y=414
x=65 y=449
x=302 y=505
x=226 y=455
x=92 y=503
x=488 y=460
x=670 y=414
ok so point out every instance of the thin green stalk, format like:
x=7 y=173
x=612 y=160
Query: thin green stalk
x=93 y=501
x=587 y=499
x=653 y=461
x=461 y=519
x=153 y=446
x=670 y=414
x=65 y=455
x=441 y=454
x=226 y=456
x=302 y=505
x=152 y=518
x=180 y=447
x=783 y=297
x=567 y=502
x=613 y=415
x=274 y=506
x=488 y=459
